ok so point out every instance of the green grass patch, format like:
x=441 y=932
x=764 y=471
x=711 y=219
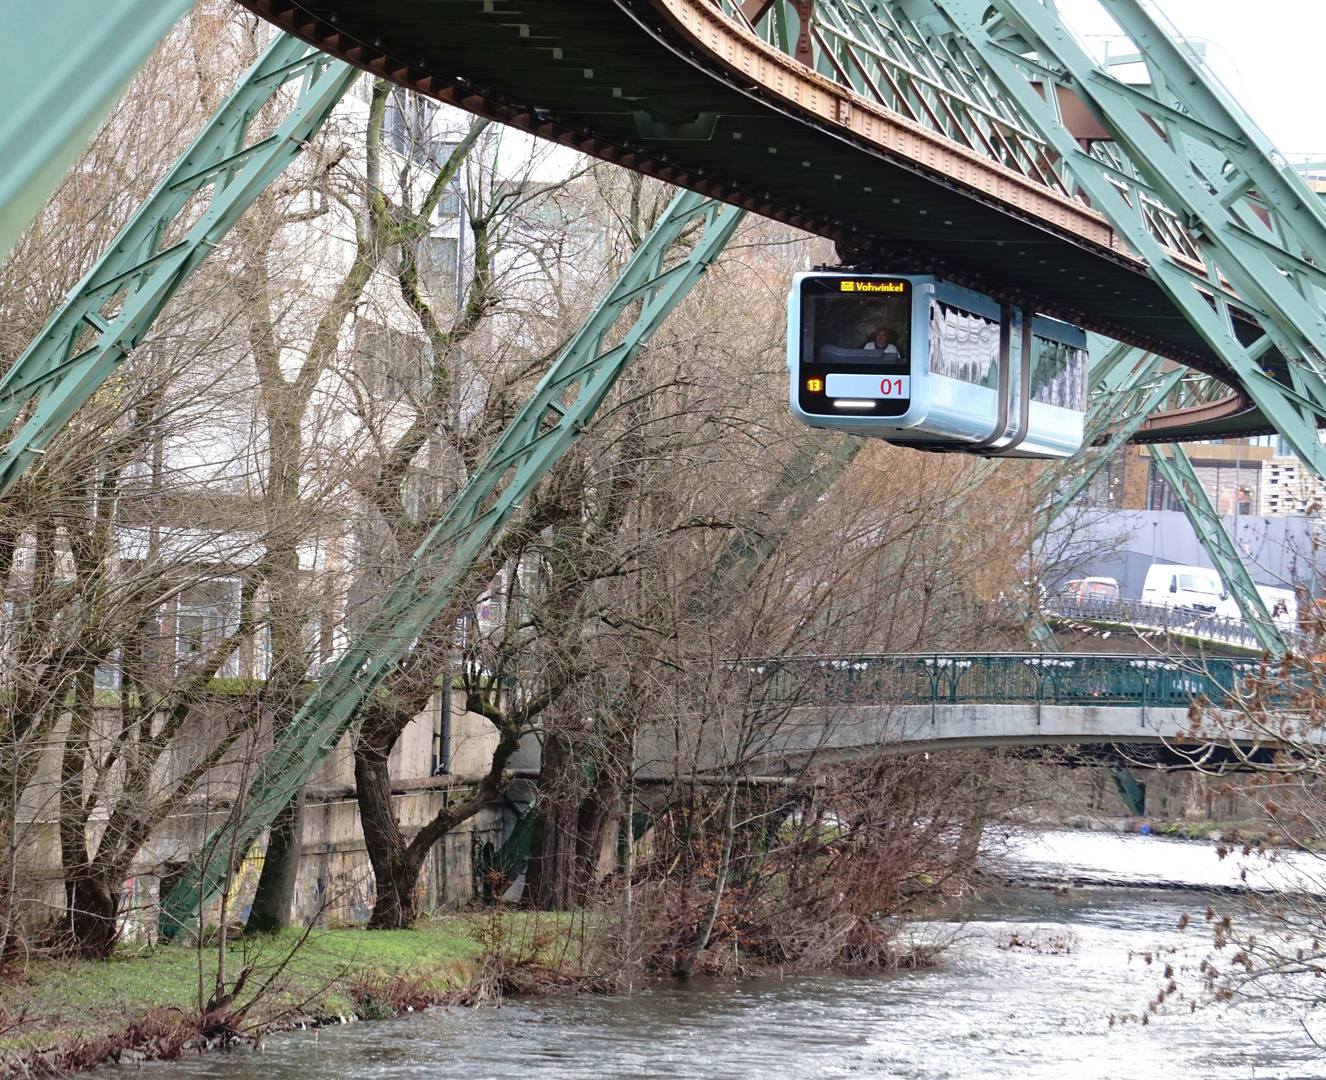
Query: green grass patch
x=69 y=1001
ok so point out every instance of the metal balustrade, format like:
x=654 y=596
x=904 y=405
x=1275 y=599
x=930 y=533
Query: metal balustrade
x=997 y=678
x=1144 y=619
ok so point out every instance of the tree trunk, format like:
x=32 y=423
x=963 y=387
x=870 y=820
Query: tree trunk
x=592 y=819
x=550 y=879
x=275 y=896
x=684 y=969
x=94 y=908
x=396 y=901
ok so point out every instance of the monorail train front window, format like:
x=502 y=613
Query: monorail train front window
x=963 y=345
x=1059 y=374
x=854 y=332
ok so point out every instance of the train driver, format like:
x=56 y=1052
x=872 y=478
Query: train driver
x=880 y=341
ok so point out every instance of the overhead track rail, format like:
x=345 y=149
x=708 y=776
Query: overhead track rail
x=899 y=137
x=685 y=91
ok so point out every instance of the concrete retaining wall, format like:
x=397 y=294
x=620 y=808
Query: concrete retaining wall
x=335 y=882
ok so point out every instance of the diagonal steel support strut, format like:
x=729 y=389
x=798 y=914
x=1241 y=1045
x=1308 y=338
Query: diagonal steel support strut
x=1178 y=473
x=1127 y=387
x=65 y=66
x=547 y=424
x=127 y=288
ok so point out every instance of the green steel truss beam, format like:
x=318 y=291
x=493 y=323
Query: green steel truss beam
x=109 y=312
x=1194 y=152
x=905 y=55
x=1186 y=177
x=1215 y=539
x=546 y=425
x=809 y=472
x=1120 y=406
x=65 y=66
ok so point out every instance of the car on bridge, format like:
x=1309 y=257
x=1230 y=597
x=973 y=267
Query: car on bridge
x=1090 y=590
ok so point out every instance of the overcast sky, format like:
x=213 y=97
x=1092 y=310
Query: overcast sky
x=1267 y=52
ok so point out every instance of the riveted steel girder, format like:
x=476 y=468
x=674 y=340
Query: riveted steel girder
x=546 y=425
x=121 y=296
x=64 y=67
x=1260 y=231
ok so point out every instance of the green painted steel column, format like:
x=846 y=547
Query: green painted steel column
x=546 y=425
x=1178 y=473
x=1116 y=416
x=50 y=381
x=63 y=66
x=1130 y=791
x=1290 y=316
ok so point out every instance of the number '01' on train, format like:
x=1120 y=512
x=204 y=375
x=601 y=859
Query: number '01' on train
x=925 y=363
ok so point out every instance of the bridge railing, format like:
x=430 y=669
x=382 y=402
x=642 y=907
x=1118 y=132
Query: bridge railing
x=998 y=678
x=1148 y=619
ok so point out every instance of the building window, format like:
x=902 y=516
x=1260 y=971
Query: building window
x=437 y=266
x=1232 y=489
x=390 y=363
x=409 y=128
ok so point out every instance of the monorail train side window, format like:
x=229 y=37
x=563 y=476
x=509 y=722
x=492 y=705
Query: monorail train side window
x=1059 y=374
x=963 y=345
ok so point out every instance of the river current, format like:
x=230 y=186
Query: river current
x=1026 y=991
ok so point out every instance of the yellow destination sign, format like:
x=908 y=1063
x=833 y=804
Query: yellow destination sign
x=872 y=286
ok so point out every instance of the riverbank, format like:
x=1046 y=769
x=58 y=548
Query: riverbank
x=1040 y=986
x=146 y=1003
x=155 y=1003
x=58 y=1015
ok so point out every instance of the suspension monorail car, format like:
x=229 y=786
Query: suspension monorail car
x=925 y=363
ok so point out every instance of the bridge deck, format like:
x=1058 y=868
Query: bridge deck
x=908 y=704
x=912 y=729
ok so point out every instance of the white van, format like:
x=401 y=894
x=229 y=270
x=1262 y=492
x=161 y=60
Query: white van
x=1194 y=588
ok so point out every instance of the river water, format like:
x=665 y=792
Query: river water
x=1026 y=991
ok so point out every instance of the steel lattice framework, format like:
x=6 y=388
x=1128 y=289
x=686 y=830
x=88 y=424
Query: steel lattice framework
x=1225 y=227
x=110 y=311
x=1185 y=145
